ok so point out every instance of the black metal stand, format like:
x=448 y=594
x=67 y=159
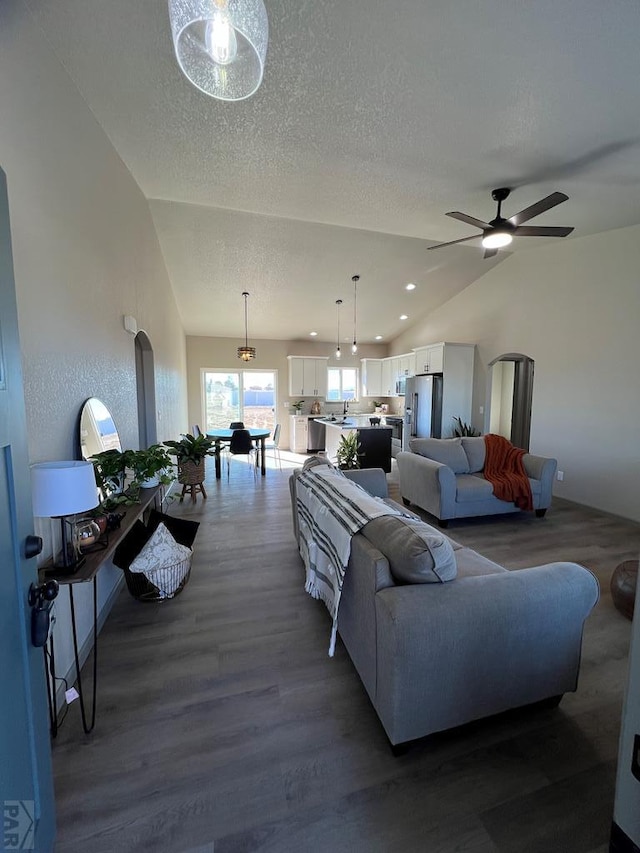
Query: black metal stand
x=87 y=728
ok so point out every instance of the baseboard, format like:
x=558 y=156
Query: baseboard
x=620 y=841
x=85 y=648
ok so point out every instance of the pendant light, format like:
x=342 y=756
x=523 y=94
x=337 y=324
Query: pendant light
x=246 y=353
x=338 y=304
x=355 y=279
x=221 y=45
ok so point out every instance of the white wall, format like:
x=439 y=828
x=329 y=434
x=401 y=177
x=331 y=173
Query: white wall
x=574 y=307
x=85 y=254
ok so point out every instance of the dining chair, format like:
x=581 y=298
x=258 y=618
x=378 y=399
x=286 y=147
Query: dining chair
x=274 y=445
x=196 y=431
x=241 y=444
x=236 y=425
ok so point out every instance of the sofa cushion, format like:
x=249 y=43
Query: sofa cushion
x=476 y=450
x=447 y=451
x=417 y=552
x=472 y=487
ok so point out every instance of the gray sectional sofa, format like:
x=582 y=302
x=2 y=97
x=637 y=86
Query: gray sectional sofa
x=435 y=655
x=443 y=476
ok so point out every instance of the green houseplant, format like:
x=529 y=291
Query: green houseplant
x=348 y=451
x=150 y=466
x=463 y=429
x=190 y=454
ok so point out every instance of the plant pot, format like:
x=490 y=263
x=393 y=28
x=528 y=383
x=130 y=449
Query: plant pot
x=150 y=482
x=190 y=473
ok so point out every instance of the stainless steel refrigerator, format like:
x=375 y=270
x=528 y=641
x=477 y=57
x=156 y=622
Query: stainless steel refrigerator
x=422 y=408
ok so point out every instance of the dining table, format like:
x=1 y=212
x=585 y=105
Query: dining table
x=223 y=436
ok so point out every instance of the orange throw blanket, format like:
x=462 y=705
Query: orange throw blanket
x=504 y=469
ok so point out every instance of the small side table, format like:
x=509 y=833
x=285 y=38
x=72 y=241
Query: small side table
x=624 y=582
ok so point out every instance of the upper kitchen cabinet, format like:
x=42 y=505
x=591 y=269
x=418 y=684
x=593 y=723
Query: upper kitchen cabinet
x=307 y=376
x=371 y=373
x=430 y=359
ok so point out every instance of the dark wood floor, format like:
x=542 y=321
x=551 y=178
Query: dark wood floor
x=223 y=725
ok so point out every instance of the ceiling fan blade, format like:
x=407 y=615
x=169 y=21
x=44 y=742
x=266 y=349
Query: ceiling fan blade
x=470 y=220
x=489 y=253
x=453 y=242
x=542 y=231
x=538 y=208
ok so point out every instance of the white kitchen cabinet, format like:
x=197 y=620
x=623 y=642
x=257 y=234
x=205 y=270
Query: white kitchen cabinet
x=307 y=376
x=371 y=375
x=408 y=364
x=430 y=359
x=298 y=433
x=386 y=389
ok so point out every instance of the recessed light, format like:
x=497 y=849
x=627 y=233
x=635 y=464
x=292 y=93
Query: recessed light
x=313 y=334
x=410 y=286
x=378 y=337
x=403 y=317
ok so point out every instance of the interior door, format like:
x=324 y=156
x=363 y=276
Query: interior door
x=26 y=786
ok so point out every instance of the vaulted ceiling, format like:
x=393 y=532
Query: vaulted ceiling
x=373 y=120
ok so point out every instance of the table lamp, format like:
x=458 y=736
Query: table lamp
x=60 y=489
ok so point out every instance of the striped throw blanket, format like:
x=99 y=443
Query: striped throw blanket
x=331 y=508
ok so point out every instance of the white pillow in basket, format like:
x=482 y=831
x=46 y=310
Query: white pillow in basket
x=163 y=561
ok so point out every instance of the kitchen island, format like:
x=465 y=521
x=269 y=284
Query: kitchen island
x=375 y=441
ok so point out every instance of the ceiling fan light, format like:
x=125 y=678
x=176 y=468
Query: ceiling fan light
x=496 y=239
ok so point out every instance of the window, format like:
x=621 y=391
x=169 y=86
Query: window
x=342 y=384
x=243 y=395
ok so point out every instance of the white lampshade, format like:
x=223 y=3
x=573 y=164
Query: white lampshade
x=63 y=488
x=221 y=45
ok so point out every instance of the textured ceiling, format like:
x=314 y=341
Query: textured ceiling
x=372 y=116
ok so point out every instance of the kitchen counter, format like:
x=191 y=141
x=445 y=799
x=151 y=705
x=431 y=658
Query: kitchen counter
x=352 y=422
x=375 y=441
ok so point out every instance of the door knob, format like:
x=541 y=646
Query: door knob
x=32 y=546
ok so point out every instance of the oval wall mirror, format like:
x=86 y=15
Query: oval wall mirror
x=97 y=429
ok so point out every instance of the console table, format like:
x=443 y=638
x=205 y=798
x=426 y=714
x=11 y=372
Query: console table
x=88 y=573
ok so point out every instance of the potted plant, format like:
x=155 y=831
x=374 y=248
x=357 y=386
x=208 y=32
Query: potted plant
x=109 y=467
x=377 y=406
x=348 y=451
x=297 y=407
x=150 y=466
x=190 y=453
x=463 y=429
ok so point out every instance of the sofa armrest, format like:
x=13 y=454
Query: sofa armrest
x=427 y=484
x=543 y=469
x=372 y=480
x=455 y=652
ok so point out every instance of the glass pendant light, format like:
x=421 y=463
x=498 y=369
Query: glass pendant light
x=338 y=304
x=355 y=279
x=221 y=45
x=246 y=353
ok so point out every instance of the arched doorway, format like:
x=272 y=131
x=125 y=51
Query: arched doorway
x=509 y=398
x=146 y=390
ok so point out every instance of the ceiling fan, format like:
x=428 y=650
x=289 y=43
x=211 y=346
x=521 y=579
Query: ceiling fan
x=499 y=232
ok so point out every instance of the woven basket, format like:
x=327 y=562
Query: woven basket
x=190 y=474
x=142 y=589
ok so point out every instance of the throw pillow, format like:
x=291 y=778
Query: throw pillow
x=164 y=562
x=475 y=448
x=129 y=548
x=182 y=529
x=417 y=552
x=447 y=451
